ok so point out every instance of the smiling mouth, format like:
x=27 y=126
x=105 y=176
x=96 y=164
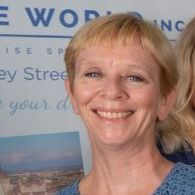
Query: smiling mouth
x=114 y=115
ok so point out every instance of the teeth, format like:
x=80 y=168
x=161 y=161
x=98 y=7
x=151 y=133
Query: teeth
x=113 y=115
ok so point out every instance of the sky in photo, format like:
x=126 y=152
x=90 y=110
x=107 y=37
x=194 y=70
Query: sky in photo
x=40 y=152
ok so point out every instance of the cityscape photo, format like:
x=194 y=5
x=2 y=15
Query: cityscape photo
x=39 y=164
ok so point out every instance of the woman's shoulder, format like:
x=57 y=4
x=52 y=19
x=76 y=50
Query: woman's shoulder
x=183 y=172
x=180 y=180
x=72 y=189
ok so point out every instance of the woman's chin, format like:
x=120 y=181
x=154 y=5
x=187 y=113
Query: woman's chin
x=113 y=141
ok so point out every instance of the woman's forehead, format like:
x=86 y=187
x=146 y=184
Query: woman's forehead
x=123 y=56
x=97 y=52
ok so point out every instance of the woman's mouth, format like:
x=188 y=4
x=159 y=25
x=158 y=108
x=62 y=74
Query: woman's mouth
x=114 y=115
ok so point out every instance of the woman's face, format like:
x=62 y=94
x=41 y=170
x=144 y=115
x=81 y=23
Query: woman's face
x=116 y=91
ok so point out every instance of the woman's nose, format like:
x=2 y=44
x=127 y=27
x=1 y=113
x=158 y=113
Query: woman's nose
x=114 y=89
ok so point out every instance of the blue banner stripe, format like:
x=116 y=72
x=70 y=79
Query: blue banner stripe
x=44 y=36
x=36 y=36
x=4 y=23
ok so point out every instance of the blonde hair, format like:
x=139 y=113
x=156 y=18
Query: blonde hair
x=185 y=49
x=121 y=28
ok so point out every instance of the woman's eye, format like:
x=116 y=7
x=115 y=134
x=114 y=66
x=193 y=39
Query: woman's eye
x=92 y=74
x=135 y=78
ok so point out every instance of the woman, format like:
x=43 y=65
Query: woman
x=122 y=75
x=186 y=62
x=185 y=106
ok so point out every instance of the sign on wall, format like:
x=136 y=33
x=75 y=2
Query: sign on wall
x=33 y=37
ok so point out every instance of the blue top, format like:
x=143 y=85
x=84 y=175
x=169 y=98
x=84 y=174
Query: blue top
x=180 y=180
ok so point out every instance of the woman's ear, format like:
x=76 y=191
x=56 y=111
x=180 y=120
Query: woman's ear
x=167 y=104
x=71 y=95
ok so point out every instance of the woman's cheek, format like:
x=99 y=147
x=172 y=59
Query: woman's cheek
x=149 y=97
x=85 y=93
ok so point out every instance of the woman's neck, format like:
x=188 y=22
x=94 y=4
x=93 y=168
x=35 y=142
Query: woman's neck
x=125 y=169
